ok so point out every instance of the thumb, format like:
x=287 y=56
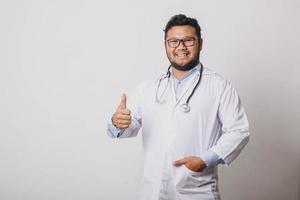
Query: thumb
x=123 y=101
x=180 y=162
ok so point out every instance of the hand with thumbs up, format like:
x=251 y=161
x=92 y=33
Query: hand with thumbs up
x=122 y=117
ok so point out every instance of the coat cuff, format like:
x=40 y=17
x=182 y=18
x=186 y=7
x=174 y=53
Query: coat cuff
x=210 y=158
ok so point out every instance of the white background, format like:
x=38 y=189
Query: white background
x=64 y=65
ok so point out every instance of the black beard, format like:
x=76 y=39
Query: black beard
x=190 y=65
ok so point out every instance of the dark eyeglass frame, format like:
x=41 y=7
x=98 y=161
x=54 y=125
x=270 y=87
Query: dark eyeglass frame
x=184 y=41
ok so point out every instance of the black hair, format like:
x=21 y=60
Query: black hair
x=181 y=20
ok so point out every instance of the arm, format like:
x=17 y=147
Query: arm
x=235 y=126
x=235 y=134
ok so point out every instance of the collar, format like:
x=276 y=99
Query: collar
x=189 y=73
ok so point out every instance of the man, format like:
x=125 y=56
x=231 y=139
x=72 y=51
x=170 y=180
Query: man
x=191 y=119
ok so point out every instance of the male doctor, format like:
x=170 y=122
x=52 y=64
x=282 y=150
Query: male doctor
x=191 y=118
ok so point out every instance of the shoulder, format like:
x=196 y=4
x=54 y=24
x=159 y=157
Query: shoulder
x=213 y=76
x=216 y=81
x=144 y=90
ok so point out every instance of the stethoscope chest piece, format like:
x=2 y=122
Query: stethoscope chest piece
x=185 y=107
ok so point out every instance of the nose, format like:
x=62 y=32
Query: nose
x=181 y=45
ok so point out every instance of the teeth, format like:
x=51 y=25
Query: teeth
x=181 y=54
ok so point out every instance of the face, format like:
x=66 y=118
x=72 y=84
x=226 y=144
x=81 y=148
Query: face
x=184 y=56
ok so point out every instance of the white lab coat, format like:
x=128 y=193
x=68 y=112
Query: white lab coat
x=216 y=121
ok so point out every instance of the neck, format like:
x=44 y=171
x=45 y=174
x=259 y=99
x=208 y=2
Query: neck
x=180 y=70
x=178 y=73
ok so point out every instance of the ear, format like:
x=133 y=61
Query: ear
x=166 y=46
x=165 y=43
x=200 y=44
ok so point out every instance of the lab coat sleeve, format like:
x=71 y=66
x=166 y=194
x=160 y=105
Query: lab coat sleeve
x=235 y=126
x=134 y=105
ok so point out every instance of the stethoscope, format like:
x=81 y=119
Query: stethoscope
x=185 y=107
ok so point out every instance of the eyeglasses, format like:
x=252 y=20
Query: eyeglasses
x=187 y=42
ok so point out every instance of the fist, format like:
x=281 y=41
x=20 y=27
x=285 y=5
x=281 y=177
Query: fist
x=122 y=117
x=193 y=163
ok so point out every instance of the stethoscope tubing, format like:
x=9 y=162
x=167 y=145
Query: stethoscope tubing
x=185 y=106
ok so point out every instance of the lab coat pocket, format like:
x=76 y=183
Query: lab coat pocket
x=188 y=181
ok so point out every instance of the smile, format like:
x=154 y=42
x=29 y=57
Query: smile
x=182 y=54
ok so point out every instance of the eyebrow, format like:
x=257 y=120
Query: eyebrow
x=186 y=37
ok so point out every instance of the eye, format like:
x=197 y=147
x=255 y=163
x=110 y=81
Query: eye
x=189 y=42
x=173 y=41
x=189 y=39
